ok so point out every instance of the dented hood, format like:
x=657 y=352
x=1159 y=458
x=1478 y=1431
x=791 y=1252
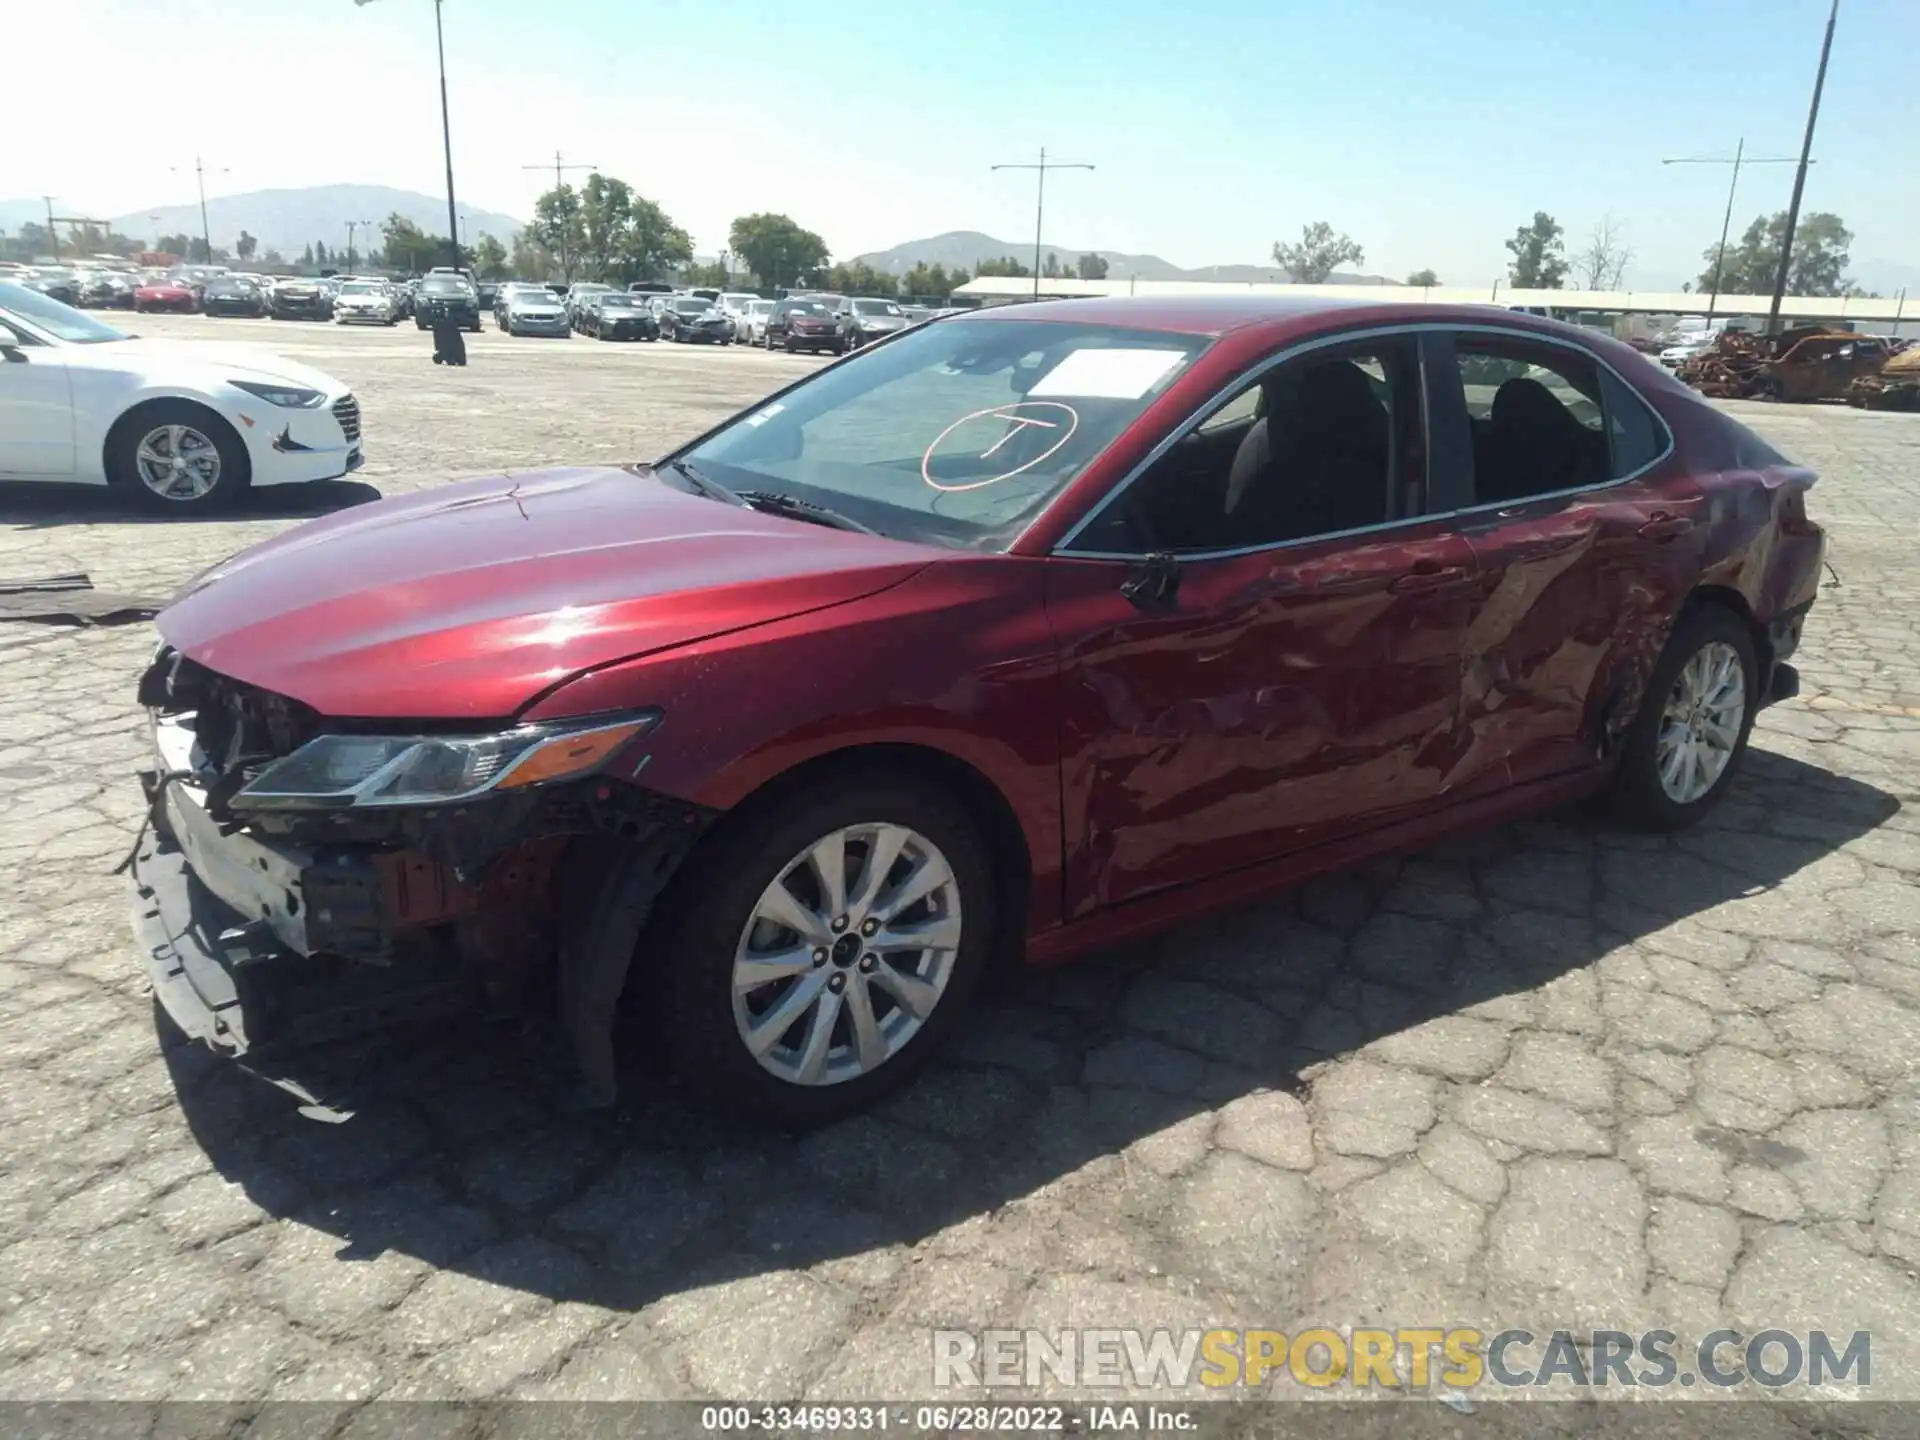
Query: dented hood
x=470 y=600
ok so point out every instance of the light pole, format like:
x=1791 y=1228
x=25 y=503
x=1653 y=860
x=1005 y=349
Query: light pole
x=446 y=129
x=1720 y=255
x=1800 y=175
x=1040 y=202
x=353 y=262
x=200 y=176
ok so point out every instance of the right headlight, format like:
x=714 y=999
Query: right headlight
x=344 y=771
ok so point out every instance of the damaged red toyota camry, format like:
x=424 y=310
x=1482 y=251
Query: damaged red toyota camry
x=1020 y=633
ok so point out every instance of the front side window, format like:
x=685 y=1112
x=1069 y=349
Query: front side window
x=63 y=322
x=1314 y=446
x=957 y=434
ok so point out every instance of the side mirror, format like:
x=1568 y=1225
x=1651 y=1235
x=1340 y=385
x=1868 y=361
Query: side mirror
x=11 y=347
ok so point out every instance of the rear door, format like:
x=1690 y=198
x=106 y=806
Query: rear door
x=1587 y=533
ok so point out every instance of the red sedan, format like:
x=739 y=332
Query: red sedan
x=1025 y=631
x=166 y=295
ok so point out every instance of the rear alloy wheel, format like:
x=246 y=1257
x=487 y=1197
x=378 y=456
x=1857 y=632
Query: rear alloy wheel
x=176 y=457
x=1687 y=741
x=829 y=950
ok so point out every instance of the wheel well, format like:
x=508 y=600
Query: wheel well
x=132 y=417
x=988 y=808
x=1734 y=602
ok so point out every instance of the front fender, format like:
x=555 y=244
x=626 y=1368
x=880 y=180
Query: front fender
x=958 y=660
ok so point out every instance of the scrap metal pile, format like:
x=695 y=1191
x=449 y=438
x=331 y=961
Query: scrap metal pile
x=1808 y=362
x=1896 y=386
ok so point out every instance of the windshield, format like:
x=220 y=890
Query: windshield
x=691 y=307
x=875 y=307
x=615 y=300
x=956 y=434
x=61 y=321
x=806 y=307
x=439 y=286
x=362 y=287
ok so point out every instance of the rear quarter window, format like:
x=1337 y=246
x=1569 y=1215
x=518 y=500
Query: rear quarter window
x=1634 y=434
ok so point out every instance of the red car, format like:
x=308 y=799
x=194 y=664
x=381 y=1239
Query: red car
x=166 y=295
x=1024 y=631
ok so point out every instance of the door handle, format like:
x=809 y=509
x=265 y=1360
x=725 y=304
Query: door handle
x=1665 y=527
x=1437 y=579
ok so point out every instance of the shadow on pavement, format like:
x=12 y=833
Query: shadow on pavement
x=456 y=1152
x=37 y=506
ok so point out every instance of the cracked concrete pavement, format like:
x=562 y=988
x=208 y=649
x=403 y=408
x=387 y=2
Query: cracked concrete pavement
x=1552 y=1075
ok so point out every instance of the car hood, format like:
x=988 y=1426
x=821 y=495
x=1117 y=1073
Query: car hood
x=209 y=361
x=471 y=600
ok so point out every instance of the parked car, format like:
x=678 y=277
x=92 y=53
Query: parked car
x=619 y=315
x=56 y=282
x=755 y=322
x=366 y=302
x=173 y=428
x=108 y=290
x=301 y=299
x=803 y=324
x=864 y=320
x=505 y=292
x=227 y=295
x=167 y=294
x=1179 y=604
x=689 y=319
x=535 y=310
x=576 y=298
x=446 y=290
x=733 y=304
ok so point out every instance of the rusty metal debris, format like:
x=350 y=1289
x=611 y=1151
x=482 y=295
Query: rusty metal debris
x=1895 y=386
x=1808 y=362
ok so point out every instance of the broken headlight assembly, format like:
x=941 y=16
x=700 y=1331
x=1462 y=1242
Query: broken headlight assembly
x=343 y=771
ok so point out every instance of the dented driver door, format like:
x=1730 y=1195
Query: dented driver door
x=1274 y=701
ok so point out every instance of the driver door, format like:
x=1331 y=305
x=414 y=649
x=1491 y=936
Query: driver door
x=1277 y=693
x=36 y=410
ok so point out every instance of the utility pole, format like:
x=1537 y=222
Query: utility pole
x=353 y=225
x=1739 y=154
x=53 y=232
x=446 y=127
x=560 y=178
x=155 y=220
x=1800 y=175
x=200 y=177
x=54 y=222
x=1040 y=201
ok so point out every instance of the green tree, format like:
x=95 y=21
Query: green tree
x=776 y=249
x=560 y=226
x=1006 y=265
x=490 y=258
x=273 y=257
x=408 y=248
x=651 y=245
x=306 y=256
x=1539 y=259
x=606 y=209
x=1091 y=267
x=712 y=275
x=1423 y=278
x=956 y=280
x=930 y=281
x=320 y=255
x=1053 y=270
x=1821 y=246
x=245 y=246
x=1320 y=252
x=530 y=260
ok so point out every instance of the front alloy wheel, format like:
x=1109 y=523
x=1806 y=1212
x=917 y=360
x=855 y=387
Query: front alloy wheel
x=846 y=954
x=178 y=463
x=821 y=949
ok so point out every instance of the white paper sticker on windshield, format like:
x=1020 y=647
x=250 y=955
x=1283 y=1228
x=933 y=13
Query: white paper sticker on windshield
x=1108 y=374
x=765 y=415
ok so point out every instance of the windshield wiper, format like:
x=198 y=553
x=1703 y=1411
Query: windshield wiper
x=707 y=486
x=774 y=503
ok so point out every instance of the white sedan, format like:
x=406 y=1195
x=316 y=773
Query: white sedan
x=174 y=426
x=367 y=302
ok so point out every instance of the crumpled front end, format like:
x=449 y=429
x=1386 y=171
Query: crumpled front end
x=272 y=926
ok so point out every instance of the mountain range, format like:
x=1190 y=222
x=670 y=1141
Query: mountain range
x=965 y=249
x=286 y=220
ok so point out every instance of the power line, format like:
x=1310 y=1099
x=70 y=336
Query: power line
x=1739 y=154
x=1040 y=200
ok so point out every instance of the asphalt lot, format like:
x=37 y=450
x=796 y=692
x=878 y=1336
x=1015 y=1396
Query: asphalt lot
x=1553 y=1075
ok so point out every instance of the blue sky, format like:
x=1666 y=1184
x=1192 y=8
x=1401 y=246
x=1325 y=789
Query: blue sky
x=1426 y=131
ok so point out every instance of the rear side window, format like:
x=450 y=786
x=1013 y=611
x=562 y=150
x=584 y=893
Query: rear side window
x=1636 y=437
x=1537 y=417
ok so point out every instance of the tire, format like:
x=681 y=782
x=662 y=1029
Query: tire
x=1639 y=795
x=706 y=926
x=132 y=430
